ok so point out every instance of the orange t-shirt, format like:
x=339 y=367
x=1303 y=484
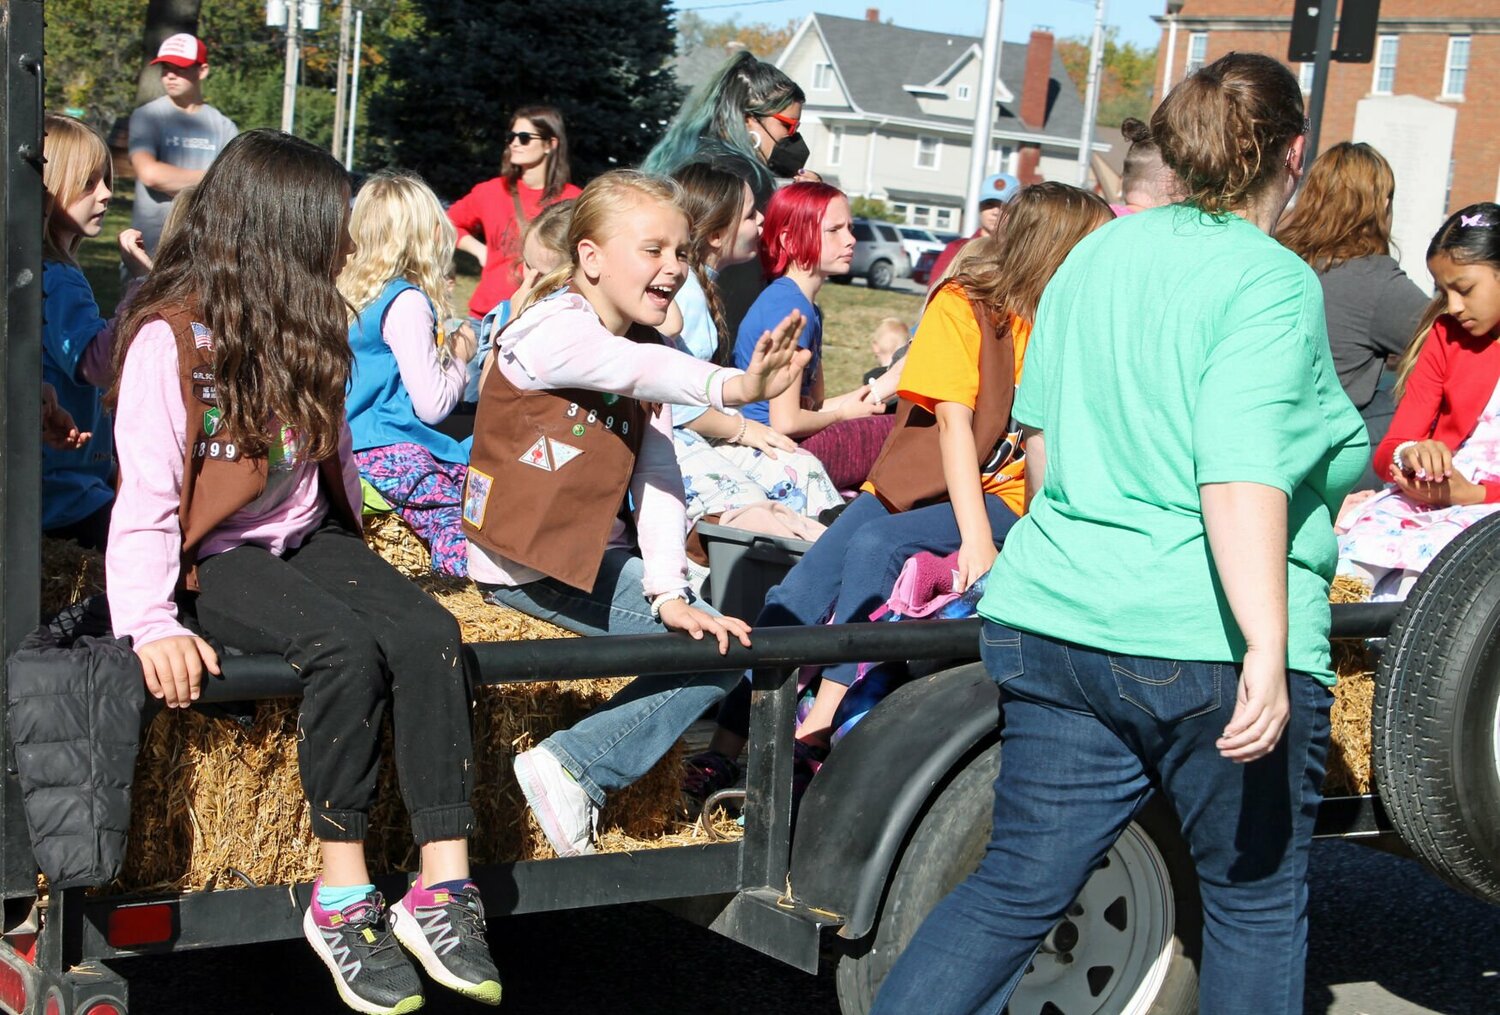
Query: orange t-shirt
x=943 y=366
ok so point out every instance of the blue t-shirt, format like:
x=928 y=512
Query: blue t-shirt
x=75 y=484
x=777 y=300
x=700 y=336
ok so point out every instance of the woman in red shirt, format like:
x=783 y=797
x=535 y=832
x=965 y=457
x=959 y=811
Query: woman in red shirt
x=492 y=218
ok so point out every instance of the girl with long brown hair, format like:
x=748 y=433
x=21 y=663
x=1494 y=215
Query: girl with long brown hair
x=950 y=479
x=1341 y=226
x=238 y=494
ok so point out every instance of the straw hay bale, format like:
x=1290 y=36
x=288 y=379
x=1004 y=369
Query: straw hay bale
x=1349 y=763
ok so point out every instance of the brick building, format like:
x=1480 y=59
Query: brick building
x=1446 y=51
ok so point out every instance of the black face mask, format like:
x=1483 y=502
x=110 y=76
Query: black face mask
x=788 y=156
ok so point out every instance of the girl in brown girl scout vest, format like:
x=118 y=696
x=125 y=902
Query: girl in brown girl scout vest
x=574 y=503
x=237 y=482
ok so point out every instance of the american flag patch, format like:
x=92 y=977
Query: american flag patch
x=202 y=337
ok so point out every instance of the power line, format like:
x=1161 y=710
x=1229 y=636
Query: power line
x=743 y=3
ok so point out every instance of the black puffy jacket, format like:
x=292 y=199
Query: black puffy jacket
x=76 y=700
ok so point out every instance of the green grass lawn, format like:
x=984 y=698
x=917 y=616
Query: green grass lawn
x=850 y=312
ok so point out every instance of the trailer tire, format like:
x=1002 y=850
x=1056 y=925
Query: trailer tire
x=1436 y=724
x=1150 y=861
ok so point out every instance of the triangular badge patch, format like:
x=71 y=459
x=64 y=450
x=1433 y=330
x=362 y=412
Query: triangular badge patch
x=536 y=455
x=562 y=453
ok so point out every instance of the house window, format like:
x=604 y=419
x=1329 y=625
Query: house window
x=902 y=210
x=921 y=215
x=1197 y=54
x=999 y=156
x=963 y=91
x=835 y=145
x=1456 y=74
x=822 y=77
x=1305 y=75
x=1385 y=65
x=927 y=152
x=943 y=219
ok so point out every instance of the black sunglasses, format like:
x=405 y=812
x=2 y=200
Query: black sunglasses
x=524 y=136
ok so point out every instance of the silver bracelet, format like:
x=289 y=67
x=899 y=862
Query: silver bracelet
x=1396 y=462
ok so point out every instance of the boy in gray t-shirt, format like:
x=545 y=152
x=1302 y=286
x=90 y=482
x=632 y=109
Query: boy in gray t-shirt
x=175 y=138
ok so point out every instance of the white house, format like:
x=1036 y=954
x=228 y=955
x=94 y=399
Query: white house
x=890 y=112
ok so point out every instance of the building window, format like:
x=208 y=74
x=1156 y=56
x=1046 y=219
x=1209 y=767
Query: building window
x=943 y=219
x=1305 y=75
x=1456 y=74
x=999 y=156
x=902 y=210
x=921 y=215
x=927 y=152
x=835 y=145
x=1385 y=65
x=822 y=77
x=1197 y=54
x=963 y=90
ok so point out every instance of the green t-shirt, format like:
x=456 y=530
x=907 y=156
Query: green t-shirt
x=1173 y=350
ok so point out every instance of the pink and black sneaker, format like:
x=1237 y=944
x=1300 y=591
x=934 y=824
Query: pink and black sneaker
x=370 y=971
x=444 y=930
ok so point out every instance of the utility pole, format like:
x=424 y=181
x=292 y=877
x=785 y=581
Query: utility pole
x=1091 y=96
x=340 y=96
x=359 y=28
x=984 y=112
x=293 y=57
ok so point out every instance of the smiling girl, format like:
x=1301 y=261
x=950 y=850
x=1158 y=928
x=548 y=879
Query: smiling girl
x=1441 y=455
x=572 y=431
x=77 y=481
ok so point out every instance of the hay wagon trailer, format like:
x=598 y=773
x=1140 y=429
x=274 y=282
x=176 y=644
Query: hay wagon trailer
x=896 y=817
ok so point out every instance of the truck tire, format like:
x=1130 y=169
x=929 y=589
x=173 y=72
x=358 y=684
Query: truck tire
x=1137 y=922
x=882 y=274
x=1436 y=736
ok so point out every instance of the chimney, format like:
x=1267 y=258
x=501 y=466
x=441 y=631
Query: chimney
x=1038 y=79
x=872 y=14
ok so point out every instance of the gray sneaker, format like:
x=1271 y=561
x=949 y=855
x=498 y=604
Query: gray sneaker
x=371 y=972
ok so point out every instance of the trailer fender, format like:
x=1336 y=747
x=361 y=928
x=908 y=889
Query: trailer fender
x=867 y=797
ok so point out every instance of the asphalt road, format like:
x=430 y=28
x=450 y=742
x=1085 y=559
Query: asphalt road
x=1387 y=938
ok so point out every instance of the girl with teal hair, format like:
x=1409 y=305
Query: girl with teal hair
x=748 y=114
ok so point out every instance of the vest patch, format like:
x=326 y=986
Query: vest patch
x=536 y=456
x=562 y=453
x=202 y=337
x=217 y=451
x=477 y=495
x=211 y=420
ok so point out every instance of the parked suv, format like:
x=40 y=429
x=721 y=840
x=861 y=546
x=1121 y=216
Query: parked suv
x=879 y=257
x=917 y=240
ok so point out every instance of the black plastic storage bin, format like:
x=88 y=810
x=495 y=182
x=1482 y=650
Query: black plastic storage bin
x=743 y=565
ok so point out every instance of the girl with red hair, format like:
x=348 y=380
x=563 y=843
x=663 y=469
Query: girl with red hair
x=806 y=238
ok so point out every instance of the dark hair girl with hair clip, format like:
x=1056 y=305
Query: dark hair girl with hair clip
x=1441 y=455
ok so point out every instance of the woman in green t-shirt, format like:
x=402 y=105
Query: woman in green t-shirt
x=1159 y=618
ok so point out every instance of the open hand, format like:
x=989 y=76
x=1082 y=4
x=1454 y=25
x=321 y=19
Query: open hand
x=174 y=668
x=678 y=615
x=59 y=432
x=776 y=365
x=1261 y=708
x=767 y=440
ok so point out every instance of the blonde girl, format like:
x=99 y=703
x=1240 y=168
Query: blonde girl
x=406 y=380
x=78 y=477
x=571 y=431
x=729 y=461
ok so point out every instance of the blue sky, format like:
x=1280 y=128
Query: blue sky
x=1065 y=17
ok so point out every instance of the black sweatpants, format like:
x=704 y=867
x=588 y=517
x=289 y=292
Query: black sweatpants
x=360 y=635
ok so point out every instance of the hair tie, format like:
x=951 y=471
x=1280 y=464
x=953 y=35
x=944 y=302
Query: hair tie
x=1477 y=219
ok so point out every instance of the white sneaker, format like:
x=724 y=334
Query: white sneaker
x=567 y=816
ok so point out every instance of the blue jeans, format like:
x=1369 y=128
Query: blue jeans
x=619 y=741
x=851 y=569
x=1087 y=737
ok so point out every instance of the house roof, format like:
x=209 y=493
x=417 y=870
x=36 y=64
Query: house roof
x=876 y=60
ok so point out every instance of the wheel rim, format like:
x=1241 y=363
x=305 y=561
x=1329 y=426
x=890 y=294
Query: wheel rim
x=1111 y=953
x=1495 y=741
x=881 y=275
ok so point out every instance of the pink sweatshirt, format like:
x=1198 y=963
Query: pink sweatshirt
x=145 y=536
x=408 y=330
x=560 y=343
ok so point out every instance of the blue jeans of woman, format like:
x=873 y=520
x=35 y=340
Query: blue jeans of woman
x=1087 y=736
x=851 y=569
x=619 y=741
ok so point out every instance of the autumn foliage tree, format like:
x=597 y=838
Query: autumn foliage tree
x=1127 y=75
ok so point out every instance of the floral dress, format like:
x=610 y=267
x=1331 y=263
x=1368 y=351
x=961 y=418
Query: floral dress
x=1392 y=531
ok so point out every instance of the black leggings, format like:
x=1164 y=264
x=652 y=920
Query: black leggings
x=360 y=635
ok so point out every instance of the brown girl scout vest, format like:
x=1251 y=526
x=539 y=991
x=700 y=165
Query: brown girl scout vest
x=909 y=471
x=549 y=471
x=217 y=480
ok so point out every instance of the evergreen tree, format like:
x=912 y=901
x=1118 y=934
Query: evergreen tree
x=451 y=89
